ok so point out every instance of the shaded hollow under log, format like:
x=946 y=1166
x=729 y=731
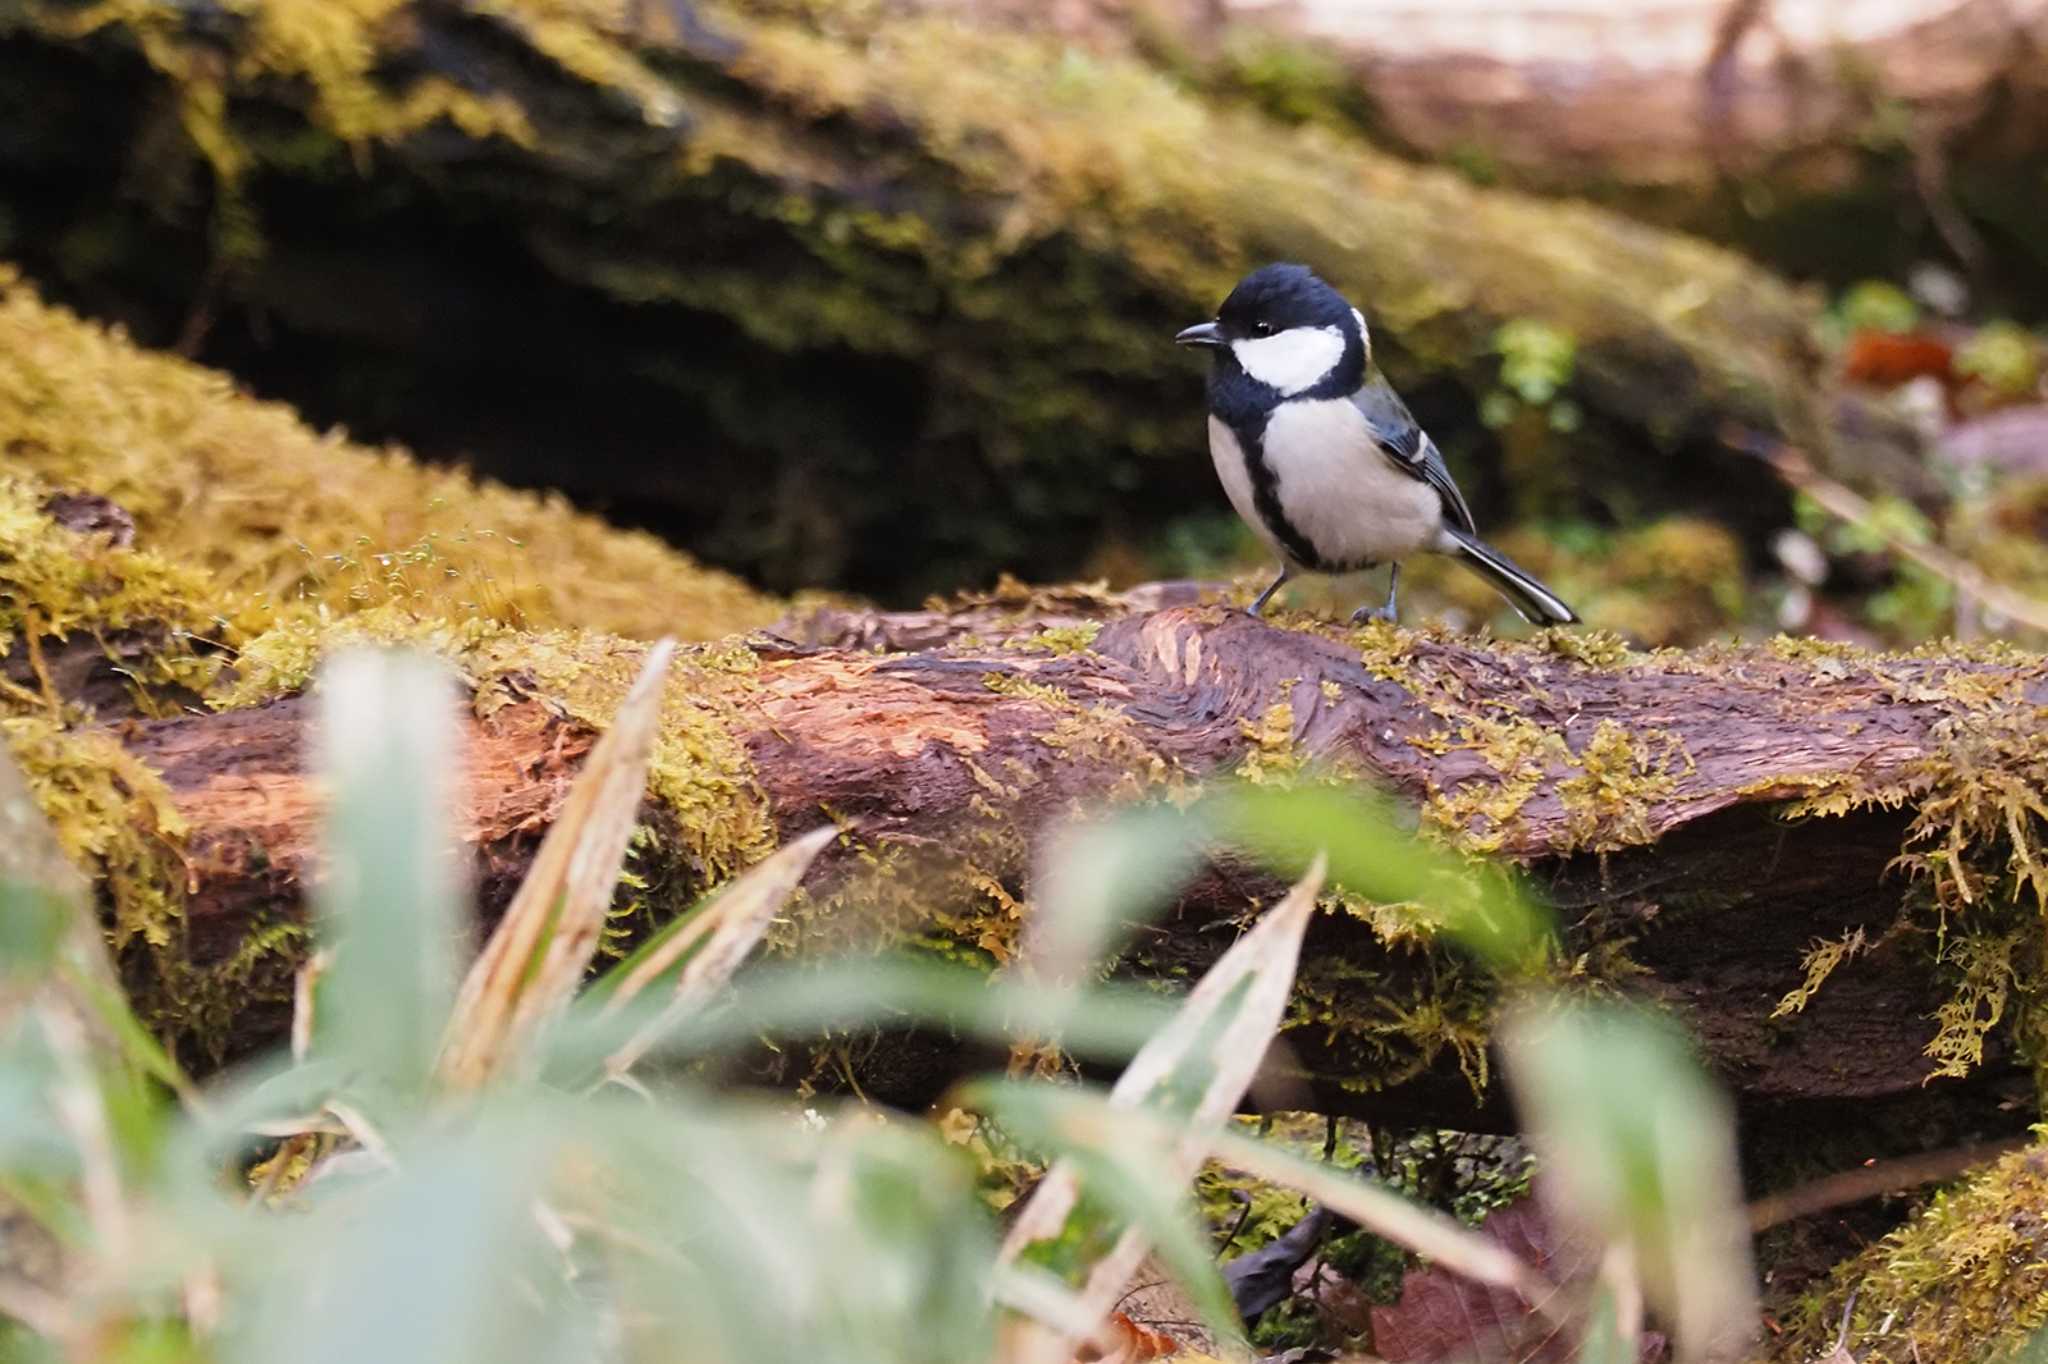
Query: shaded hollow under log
x=1655 y=819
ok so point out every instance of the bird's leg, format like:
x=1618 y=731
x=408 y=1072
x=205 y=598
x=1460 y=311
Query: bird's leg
x=1388 y=612
x=1267 y=595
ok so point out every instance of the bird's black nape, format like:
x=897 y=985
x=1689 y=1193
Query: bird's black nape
x=1282 y=296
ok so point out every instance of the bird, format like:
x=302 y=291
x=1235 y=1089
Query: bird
x=1320 y=456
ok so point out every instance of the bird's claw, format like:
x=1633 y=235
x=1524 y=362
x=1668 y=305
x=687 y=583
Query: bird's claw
x=1365 y=615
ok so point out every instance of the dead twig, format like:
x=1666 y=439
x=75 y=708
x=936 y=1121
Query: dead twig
x=1891 y=1176
x=1792 y=465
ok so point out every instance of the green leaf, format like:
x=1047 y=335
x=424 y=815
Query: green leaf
x=387 y=899
x=1639 y=1152
x=1373 y=853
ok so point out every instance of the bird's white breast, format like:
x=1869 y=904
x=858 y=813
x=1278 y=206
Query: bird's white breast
x=1228 y=455
x=1341 y=491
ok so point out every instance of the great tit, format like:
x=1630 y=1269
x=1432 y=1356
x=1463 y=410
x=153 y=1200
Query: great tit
x=1321 y=457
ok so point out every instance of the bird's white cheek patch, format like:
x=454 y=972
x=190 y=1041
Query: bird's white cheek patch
x=1293 y=361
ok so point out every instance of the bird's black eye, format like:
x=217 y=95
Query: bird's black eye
x=1262 y=329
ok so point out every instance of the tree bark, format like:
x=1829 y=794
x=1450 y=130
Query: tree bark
x=1655 y=826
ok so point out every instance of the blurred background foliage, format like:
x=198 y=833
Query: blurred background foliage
x=875 y=296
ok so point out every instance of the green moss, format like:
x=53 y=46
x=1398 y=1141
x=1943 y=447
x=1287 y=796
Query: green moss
x=700 y=774
x=57 y=584
x=1974 y=850
x=1621 y=776
x=113 y=816
x=1383 y=1029
x=194 y=1007
x=1964 y=1281
x=296 y=528
x=1065 y=639
x=1272 y=757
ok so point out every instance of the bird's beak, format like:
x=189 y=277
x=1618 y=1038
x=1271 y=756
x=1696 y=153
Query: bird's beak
x=1201 y=334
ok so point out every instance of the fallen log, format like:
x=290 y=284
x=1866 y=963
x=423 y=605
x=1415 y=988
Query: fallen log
x=1699 y=819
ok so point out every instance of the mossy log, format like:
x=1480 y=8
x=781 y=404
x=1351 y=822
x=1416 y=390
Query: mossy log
x=1835 y=142
x=839 y=293
x=1699 y=819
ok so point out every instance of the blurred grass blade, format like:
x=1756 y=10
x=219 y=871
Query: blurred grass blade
x=1095 y=876
x=1638 y=1150
x=387 y=898
x=1386 y=1214
x=1195 y=1072
x=795 y=999
x=437 y=1263
x=1371 y=854
x=742 y=914
x=535 y=960
x=1118 y=1184
x=51 y=945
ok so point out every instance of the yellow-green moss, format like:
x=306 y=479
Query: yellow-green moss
x=57 y=583
x=1964 y=1282
x=113 y=816
x=294 y=525
x=193 y=1008
x=1975 y=850
x=1270 y=755
x=700 y=773
x=1101 y=146
x=1621 y=774
x=1097 y=730
x=1065 y=639
x=1379 y=1039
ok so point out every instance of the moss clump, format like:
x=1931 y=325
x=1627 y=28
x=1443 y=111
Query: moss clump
x=1977 y=849
x=1065 y=639
x=973 y=240
x=1379 y=1039
x=1965 y=1281
x=57 y=584
x=113 y=815
x=1977 y=841
x=1621 y=775
x=1272 y=757
x=293 y=525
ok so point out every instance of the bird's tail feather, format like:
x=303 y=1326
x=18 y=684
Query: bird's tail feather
x=1537 y=604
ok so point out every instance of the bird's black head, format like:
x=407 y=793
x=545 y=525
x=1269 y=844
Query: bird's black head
x=1288 y=331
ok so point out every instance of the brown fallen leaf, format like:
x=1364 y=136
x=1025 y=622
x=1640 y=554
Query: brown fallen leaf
x=1443 y=1315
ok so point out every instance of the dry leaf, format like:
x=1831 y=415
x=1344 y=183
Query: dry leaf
x=536 y=958
x=736 y=921
x=1266 y=956
x=1444 y=1314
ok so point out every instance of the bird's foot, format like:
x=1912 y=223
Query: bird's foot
x=1386 y=610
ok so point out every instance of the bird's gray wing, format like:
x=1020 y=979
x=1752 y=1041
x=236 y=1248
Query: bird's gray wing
x=1409 y=447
